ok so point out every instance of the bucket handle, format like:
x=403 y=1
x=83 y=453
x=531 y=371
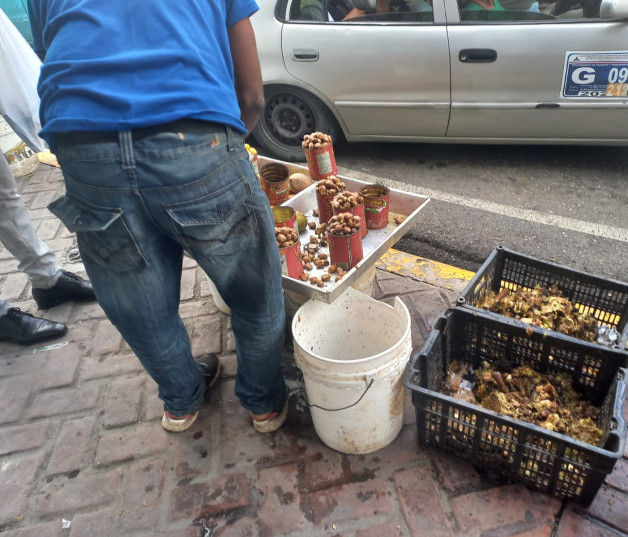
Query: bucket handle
x=345 y=407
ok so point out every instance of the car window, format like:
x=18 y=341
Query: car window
x=355 y=11
x=500 y=11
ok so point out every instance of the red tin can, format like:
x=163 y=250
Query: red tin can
x=291 y=264
x=285 y=216
x=325 y=211
x=275 y=182
x=358 y=210
x=321 y=162
x=376 y=205
x=345 y=250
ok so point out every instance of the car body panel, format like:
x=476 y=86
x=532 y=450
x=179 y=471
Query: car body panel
x=405 y=81
x=402 y=90
x=519 y=95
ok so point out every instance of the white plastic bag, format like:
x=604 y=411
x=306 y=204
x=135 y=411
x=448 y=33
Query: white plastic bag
x=19 y=71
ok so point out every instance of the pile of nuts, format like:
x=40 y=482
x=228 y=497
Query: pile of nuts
x=321 y=233
x=345 y=201
x=316 y=140
x=314 y=259
x=313 y=245
x=321 y=260
x=338 y=271
x=330 y=185
x=286 y=236
x=343 y=224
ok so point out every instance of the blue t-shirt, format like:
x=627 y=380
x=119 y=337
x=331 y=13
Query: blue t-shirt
x=115 y=65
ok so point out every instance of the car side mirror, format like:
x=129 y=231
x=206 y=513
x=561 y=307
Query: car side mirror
x=614 y=9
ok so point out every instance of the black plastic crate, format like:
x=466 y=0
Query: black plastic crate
x=605 y=299
x=541 y=459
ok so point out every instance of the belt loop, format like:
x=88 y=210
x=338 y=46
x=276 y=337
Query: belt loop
x=230 y=143
x=125 y=139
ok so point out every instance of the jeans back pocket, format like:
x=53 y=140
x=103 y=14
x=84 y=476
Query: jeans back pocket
x=102 y=234
x=220 y=224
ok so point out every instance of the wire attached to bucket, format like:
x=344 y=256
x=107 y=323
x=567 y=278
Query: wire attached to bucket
x=343 y=408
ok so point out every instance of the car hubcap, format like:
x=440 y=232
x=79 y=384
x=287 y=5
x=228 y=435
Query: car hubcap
x=289 y=118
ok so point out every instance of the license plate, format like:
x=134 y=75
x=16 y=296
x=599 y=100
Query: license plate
x=595 y=75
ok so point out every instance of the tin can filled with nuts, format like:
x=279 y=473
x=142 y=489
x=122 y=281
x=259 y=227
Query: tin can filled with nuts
x=326 y=191
x=350 y=202
x=289 y=251
x=285 y=216
x=319 y=153
x=345 y=240
x=275 y=182
x=376 y=205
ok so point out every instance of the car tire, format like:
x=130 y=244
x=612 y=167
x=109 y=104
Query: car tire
x=289 y=114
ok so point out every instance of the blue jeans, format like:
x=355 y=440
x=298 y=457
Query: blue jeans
x=136 y=200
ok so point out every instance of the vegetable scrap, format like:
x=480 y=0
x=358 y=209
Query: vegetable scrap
x=522 y=393
x=547 y=308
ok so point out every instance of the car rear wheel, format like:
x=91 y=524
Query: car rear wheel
x=288 y=115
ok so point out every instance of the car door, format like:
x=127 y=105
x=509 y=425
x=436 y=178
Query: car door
x=386 y=75
x=520 y=75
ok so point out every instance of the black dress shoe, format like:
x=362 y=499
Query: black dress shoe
x=19 y=327
x=69 y=286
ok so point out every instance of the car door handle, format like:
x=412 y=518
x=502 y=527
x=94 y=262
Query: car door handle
x=305 y=54
x=477 y=55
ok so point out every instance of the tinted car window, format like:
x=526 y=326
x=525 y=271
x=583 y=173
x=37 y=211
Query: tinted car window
x=331 y=11
x=500 y=11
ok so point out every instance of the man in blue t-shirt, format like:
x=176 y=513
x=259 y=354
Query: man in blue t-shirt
x=146 y=110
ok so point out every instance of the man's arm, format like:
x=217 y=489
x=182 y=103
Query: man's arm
x=247 y=71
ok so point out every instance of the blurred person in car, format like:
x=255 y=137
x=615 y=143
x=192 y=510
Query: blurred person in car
x=366 y=7
x=337 y=10
x=346 y=10
x=146 y=116
x=483 y=5
x=521 y=5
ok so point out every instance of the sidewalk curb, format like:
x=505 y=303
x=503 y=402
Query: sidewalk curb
x=424 y=270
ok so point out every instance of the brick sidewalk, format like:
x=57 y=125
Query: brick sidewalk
x=80 y=439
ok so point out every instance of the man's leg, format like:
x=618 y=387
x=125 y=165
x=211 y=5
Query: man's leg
x=51 y=285
x=175 y=190
x=223 y=219
x=134 y=267
x=18 y=235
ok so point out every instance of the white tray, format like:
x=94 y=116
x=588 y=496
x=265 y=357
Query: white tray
x=375 y=244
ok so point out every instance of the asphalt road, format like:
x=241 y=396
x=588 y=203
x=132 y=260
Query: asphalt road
x=564 y=204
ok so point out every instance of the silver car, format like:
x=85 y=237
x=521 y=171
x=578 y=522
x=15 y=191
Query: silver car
x=443 y=71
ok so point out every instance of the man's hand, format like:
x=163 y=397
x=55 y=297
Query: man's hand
x=248 y=75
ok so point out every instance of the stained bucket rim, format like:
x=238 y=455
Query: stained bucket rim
x=373 y=357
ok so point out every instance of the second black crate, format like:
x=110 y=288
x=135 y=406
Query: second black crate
x=540 y=458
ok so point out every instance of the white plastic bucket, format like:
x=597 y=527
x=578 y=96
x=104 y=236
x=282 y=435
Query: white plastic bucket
x=352 y=354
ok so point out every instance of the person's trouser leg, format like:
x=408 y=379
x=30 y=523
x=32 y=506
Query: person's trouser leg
x=4 y=306
x=17 y=234
x=164 y=193
x=246 y=270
